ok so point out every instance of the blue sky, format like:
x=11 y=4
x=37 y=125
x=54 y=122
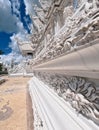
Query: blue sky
x=13 y=20
x=4 y=41
x=15 y=24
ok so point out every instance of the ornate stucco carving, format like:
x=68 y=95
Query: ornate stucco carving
x=80 y=29
x=68 y=11
x=45 y=4
x=82 y=94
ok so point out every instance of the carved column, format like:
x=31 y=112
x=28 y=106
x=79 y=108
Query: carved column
x=60 y=18
x=45 y=41
x=52 y=24
x=95 y=3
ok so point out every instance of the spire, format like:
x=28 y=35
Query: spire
x=45 y=4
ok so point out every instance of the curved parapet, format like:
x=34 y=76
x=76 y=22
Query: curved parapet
x=83 y=62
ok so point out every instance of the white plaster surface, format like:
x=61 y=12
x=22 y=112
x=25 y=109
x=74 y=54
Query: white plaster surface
x=52 y=113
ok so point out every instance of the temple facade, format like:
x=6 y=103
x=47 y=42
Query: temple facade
x=65 y=52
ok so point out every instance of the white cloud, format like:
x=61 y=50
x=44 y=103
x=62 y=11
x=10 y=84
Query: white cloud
x=9 y=22
x=29 y=25
x=15 y=49
x=15 y=54
x=15 y=38
x=29 y=7
x=7 y=59
x=16 y=7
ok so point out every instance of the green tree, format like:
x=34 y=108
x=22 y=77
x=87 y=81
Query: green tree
x=0 y=67
x=1 y=52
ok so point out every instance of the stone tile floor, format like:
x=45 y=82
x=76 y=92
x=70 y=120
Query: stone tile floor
x=15 y=105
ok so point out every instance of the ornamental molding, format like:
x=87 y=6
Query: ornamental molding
x=82 y=94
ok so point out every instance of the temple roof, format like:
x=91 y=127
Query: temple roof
x=26 y=47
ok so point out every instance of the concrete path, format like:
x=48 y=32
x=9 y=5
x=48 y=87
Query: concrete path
x=15 y=105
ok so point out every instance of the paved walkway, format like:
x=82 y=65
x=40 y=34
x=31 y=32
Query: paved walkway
x=15 y=105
